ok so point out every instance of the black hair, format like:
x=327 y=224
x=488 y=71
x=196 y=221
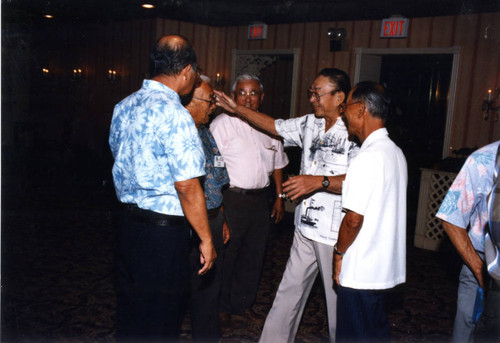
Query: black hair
x=375 y=98
x=339 y=78
x=170 y=59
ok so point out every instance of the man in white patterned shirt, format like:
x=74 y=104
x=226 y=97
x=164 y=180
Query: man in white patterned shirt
x=326 y=154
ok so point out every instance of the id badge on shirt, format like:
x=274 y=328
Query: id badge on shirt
x=219 y=162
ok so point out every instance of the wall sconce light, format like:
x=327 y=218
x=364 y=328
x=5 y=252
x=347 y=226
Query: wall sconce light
x=488 y=104
x=113 y=77
x=45 y=72
x=77 y=74
x=219 y=82
x=336 y=37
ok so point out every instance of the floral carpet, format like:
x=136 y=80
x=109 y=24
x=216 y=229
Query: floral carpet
x=57 y=278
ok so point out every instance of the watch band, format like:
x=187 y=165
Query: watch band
x=336 y=252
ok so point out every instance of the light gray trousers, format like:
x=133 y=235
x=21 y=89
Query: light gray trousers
x=307 y=257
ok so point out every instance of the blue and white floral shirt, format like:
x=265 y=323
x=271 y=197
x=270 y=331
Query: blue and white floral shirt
x=155 y=143
x=465 y=205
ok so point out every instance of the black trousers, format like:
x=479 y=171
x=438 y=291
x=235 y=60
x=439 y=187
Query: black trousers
x=152 y=270
x=248 y=218
x=205 y=289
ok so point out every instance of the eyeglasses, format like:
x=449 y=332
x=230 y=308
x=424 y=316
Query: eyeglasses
x=344 y=106
x=212 y=100
x=247 y=93
x=317 y=96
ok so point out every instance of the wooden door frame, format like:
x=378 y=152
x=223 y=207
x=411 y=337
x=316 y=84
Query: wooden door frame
x=455 y=51
x=295 y=54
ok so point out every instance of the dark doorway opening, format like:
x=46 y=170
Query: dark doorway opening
x=419 y=86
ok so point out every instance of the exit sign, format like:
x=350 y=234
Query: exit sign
x=394 y=28
x=257 y=31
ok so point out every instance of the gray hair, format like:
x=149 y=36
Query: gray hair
x=375 y=98
x=247 y=77
x=205 y=78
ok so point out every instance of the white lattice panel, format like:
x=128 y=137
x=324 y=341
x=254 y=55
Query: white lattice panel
x=434 y=185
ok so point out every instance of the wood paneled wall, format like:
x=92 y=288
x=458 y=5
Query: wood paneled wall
x=125 y=47
x=478 y=35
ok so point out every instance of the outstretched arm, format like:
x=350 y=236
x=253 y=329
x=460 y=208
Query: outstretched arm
x=260 y=120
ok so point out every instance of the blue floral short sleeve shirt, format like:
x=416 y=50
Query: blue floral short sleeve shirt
x=155 y=143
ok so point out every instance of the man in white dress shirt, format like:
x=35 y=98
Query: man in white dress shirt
x=251 y=158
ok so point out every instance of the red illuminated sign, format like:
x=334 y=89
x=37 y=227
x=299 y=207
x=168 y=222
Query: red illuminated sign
x=394 y=28
x=258 y=31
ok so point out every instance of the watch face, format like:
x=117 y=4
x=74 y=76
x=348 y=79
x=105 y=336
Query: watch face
x=326 y=183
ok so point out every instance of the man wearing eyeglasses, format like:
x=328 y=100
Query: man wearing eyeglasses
x=326 y=154
x=370 y=253
x=251 y=158
x=205 y=288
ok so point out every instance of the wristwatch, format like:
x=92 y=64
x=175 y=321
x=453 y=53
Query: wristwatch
x=336 y=252
x=326 y=182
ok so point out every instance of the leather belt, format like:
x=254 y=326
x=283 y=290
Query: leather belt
x=154 y=218
x=213 y=213
x=248 y=191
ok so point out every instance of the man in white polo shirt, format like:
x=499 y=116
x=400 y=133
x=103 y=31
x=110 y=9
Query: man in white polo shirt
x=370 y=254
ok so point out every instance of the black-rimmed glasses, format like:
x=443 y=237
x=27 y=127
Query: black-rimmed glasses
x=317 y=96
x=212 y=100
x=344 y=106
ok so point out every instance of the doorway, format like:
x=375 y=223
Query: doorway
x=277 y=70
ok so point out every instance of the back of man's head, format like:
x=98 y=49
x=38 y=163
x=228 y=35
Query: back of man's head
x=375 y=98
x=171 y=55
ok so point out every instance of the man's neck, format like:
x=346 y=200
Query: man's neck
x=330 y=120
x=169 y=81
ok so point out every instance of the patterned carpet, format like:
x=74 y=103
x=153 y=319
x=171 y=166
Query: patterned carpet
x=57 y=277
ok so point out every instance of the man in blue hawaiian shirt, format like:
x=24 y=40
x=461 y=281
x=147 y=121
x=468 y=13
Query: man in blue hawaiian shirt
x=158 y=160
x=205 y=289
x=464 y=212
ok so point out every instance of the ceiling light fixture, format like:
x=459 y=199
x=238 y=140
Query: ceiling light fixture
x=48 y=16
x=148 y=6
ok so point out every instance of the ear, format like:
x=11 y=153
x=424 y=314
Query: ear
x=362 y=110
x=339 y=98
x=233 y=96
x=185 y=71
x=262 y=97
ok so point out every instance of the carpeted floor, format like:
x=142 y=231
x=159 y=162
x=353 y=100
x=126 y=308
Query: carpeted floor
x=57 y=278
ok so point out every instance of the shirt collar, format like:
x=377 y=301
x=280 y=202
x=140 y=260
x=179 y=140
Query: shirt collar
x=375 y=136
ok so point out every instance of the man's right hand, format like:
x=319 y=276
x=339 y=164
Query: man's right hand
x=225 y=101
x=207 y=257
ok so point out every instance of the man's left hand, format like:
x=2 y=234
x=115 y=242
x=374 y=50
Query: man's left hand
x=278 y=210
x=337 y=265
x=300 y=185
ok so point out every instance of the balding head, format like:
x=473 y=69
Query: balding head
x=202 y=103
x=171 y=54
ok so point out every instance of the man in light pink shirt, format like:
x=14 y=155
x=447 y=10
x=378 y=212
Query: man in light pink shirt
x=251 y=158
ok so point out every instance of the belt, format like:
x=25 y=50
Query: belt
x=248 y=191
x=213 y=213
x=154 y=218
